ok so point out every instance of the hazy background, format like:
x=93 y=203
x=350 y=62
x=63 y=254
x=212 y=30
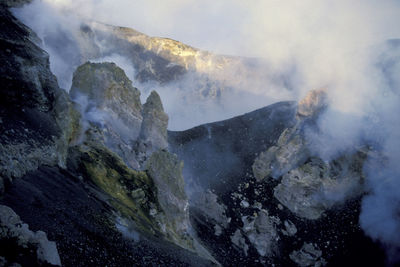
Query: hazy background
x=340 y=45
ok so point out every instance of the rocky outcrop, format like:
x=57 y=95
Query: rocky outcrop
x=111 y=106
x=262 y=161
x=110 y=97
x=153 y=131
x=238 y=240
x=35 y=125
x=309 y=186
x=22 y=243
x=114 y=119
x=153 y=202
x=290 y=151
x=208 y=204
x=166 y=171
x=262 y=232
x=316 y=186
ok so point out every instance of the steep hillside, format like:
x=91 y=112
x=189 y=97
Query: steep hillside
x=162 y=61
x=260 y=197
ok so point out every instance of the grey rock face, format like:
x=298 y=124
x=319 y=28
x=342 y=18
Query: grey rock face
x=290 y=151
x=297 y=191
x=207 y=203
x=308 y=255
x=316 y=186
x=33 y=128
x=165 y=59
x=12 y=228
x=230 y=142
x=166 y=171
x=308 y=186
x=290 y=228
x=262 y=232
x=111 y=107
x=108 y=90
x=238 y=239
x=153 y=131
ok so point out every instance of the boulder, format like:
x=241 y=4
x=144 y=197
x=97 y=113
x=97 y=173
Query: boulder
x=238 y=240
x=308 y=255
x=316 y=186
x=12 y=228
x=290 y=228
x=262 y=232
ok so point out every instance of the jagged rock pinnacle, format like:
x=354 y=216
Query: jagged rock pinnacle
x=155 y=122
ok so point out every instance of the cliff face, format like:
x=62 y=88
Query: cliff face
x=110 y=105
x=107 y=100
x=162 y=61
x=154 y=58
x=90 y=173
x=36 y=126
x=35 y=113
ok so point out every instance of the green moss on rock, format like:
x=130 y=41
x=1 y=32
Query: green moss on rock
x=109 y=173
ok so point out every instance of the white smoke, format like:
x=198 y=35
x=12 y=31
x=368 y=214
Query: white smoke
x=340 y=45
